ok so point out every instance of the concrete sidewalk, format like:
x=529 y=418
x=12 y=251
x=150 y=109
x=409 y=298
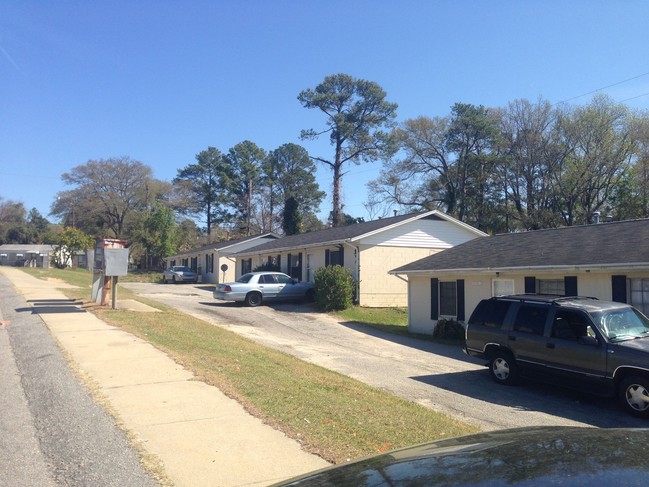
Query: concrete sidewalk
x=202 y=437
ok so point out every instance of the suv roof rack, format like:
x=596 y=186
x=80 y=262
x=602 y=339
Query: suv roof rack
x=545 y=298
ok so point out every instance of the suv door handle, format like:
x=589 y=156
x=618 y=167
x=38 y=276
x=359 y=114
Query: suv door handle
x=512 y=338
x=550 y=345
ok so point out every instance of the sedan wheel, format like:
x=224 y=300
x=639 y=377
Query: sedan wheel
x=253 y=299
x=634 y=393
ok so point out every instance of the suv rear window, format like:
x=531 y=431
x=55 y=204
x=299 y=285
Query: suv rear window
x=531 y=319
x=490 y=313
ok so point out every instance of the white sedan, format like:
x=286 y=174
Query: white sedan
x=179 y=273
x=255 y=288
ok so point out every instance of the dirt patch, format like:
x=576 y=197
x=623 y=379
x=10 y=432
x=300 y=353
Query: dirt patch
x=133 y=305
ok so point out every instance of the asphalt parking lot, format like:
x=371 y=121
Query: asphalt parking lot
x=436 y=376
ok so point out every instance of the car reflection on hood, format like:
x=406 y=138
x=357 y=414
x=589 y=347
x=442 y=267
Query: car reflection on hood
x=530 y=456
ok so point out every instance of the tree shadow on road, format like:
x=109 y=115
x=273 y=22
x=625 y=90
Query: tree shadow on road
x=531 y=396
x=448 y=349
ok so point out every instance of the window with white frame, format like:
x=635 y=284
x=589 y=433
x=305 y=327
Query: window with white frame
x=502 y=287
x=448 y=298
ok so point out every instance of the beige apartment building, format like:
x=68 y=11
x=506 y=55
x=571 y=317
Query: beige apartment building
x=368 y=249
x=609 y=261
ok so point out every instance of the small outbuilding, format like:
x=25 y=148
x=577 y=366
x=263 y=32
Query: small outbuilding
x=609 y=261
x=26 y=255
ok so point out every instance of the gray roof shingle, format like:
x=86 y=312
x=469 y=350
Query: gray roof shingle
x=224 y=244
x=605 y=244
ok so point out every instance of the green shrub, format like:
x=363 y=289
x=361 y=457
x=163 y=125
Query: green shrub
x=267 y=267
x=449 y=329
x=334 y=288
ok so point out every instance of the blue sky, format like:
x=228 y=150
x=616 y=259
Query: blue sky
x=160 y=81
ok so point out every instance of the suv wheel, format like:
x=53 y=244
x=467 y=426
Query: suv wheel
x=634 y=393
x=503 y=368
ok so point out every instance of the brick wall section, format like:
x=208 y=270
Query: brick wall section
x=378 y=288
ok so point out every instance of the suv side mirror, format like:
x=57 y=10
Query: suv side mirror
x=588 y=340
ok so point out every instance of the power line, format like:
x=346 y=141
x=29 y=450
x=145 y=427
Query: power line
x=634 y=97
x=609 y=86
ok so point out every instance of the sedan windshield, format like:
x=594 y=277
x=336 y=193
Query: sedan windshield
x=182 y=269
x=623 y=323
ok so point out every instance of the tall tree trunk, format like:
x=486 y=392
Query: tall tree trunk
x=336 y=213
x=209 y=218
x=249 y=204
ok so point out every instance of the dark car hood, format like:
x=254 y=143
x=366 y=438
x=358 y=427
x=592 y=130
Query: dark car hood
x=531 y=456
x=639 y=344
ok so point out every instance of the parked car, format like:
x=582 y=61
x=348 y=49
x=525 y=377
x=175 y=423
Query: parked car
x=527 y=457
x=179 y=273
x=583 y=343
x=255 y=288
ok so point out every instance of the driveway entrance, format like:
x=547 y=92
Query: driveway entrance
x=436 y=376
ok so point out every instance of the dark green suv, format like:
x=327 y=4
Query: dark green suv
x=583 y=343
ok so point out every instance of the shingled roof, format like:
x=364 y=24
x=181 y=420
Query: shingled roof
x=225 y=244
x=34 y=248
x=337 y=235
x=614 y=244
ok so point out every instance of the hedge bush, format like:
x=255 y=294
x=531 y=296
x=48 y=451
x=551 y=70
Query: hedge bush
x=267 y=267
x=449 y=329
x=334 y=288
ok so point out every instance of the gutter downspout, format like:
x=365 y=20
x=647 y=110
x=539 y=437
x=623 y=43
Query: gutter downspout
x=402 y=278
x=357 y=258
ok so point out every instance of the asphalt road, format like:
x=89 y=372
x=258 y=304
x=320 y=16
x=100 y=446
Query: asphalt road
x=52 y=433
x=436 y=376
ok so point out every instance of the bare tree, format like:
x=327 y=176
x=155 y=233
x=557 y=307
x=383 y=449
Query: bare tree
x=106 y=192
x=421 y=177
x=600 y=147
x=532 y=154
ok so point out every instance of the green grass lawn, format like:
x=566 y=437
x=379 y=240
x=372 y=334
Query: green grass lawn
x=392 y=320
x=76 y=277
x=142 y=276
x=330 y=414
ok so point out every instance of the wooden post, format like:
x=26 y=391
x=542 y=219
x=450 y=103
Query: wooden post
x=105 y=291
x=114 y=292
